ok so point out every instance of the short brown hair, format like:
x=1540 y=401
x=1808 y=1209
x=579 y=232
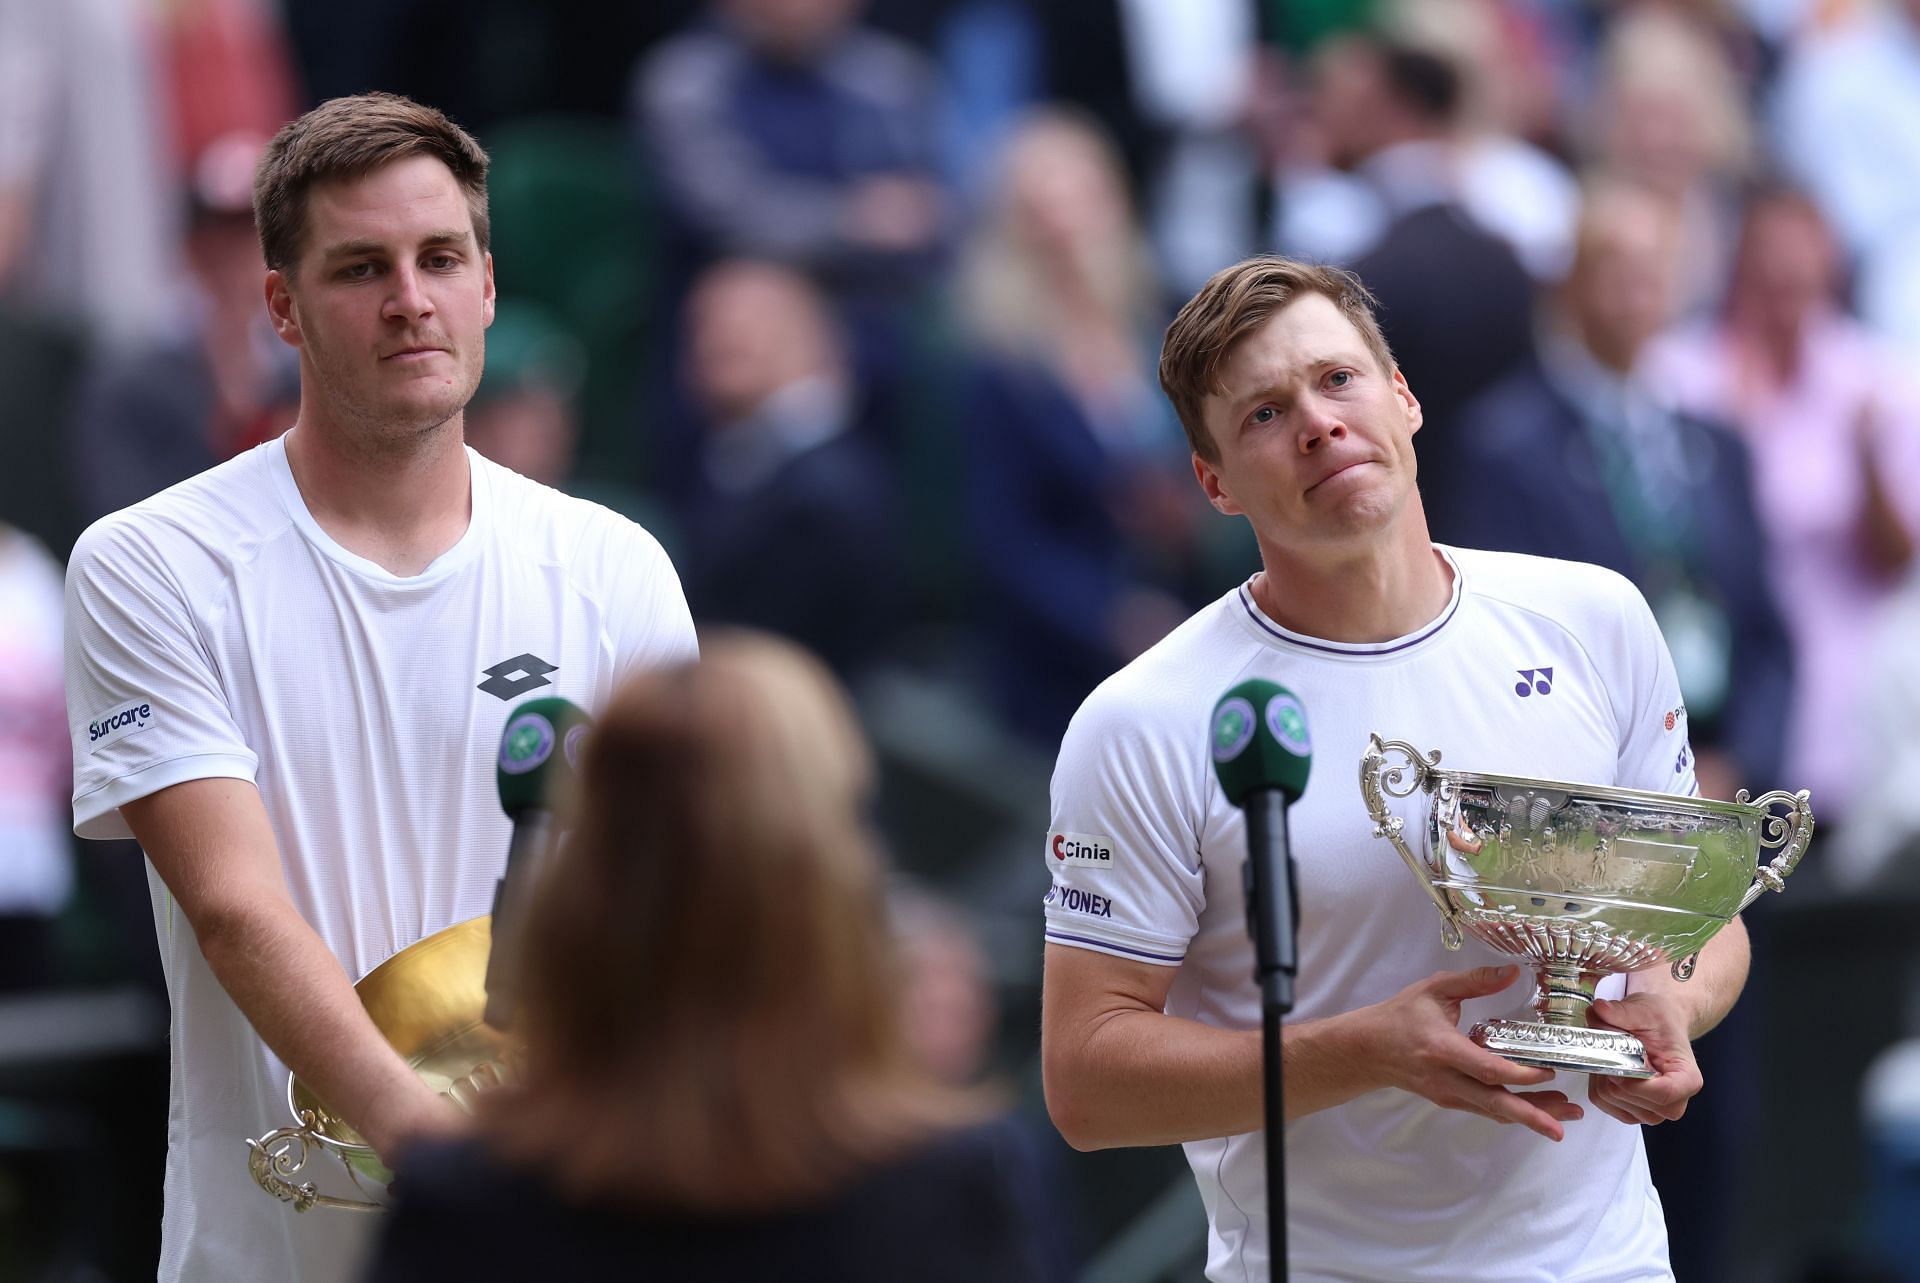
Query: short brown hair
x=346 y=138
x=712 y=1012
x=1236 y=302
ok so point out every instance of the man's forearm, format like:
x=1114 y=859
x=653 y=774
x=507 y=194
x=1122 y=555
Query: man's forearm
x=1715 y=985
x=1144 y=1078
x=292 y=990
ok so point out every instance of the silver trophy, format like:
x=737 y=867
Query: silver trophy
x=1581 y=880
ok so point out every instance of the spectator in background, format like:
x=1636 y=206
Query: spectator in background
x=947 y=1003
x=36 y=867
x=791 y=524
x=1669 y=114
x=522 y=415
x=1846 y=118
x=717 y=1084
x=1575 y=457
x=229 y=70
x=783 y=130
x=1076 y=473
x=88 y=210
x=217 y=382
x=1454 y=299
x=1829 y=417
x=1506 y=184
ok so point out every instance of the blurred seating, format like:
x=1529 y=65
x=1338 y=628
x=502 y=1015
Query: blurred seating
x=41 y=361
x=574 y=230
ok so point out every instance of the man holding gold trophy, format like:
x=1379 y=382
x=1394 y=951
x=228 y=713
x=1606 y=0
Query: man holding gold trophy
x=289 y=676
x=1438 y=1127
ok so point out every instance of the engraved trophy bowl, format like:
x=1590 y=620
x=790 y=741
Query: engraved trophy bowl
x=428 y=1000
x=1581 y=881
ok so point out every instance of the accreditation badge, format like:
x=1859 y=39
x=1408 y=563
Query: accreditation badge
x=1700 y=638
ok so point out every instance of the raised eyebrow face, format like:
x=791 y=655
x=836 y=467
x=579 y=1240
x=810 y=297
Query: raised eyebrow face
x=1274 y=380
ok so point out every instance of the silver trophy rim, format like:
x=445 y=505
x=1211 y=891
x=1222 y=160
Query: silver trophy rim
x=1605 y=792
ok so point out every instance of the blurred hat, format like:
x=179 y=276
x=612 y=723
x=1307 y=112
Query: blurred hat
x=220 y=182
x=528 y=349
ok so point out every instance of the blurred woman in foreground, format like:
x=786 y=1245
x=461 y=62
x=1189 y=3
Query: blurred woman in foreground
x=717 y=1086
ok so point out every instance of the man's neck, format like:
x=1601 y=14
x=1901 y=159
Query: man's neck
x=1373 y=594
x=399 y=509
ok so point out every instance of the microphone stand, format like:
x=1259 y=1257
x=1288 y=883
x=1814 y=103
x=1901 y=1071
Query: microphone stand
x=1273 y=919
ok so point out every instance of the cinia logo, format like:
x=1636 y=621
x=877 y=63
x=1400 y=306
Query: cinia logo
x=1083 y=848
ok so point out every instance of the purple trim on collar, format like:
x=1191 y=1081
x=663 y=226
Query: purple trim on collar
x=1459 y=595
x=1108 y=944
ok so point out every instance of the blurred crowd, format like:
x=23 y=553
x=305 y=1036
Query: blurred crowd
x=857 y=306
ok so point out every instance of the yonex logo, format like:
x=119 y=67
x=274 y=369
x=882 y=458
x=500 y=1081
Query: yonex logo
x=1533 y=681
x=532 y=673
x=1078 y=901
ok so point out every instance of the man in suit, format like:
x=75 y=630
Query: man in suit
x=1573 y=456
x=1453 y=296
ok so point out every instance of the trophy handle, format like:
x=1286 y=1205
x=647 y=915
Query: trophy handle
x=281 y=1154
x=1378 y=782
x=1789 y=833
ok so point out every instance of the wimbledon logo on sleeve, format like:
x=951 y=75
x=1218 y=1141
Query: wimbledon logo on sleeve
x=119 y=724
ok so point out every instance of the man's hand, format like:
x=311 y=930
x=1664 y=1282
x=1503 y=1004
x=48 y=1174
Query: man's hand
x=1657 y=1019
x=1416 y=1035
x=409 y=1112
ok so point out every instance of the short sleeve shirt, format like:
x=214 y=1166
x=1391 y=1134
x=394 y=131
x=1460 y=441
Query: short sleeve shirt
x=216 y=630
x=1535 y=667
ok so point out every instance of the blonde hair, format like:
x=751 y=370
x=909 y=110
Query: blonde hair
x=1003 y=294
x=1652 y=51
x=1237 y=301
x=711 y=1011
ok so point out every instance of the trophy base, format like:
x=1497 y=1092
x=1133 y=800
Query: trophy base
x=1574 y=1050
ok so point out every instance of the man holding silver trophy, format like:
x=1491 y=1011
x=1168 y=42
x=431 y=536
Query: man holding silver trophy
x=1422 y=1152
x=289 y=676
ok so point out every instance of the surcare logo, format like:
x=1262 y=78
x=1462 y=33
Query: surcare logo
x=527 y=744
x=119 y=724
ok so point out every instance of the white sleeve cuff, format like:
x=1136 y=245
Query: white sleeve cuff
x=1078 y=934
x=97 y=814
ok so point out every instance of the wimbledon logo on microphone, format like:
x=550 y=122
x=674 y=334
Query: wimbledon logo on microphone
x=1288 y=722
x=1233 y=726
x=527 y=744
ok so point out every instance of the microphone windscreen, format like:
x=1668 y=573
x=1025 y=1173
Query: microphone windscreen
x=538 y=749
x=1260 y=741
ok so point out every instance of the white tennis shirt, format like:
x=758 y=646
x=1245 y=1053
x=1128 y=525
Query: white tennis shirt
x=1540 y=668
x=216 y=630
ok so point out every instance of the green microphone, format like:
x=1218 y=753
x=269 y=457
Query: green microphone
x=1260 y=741
x=1262 y=754
x=539 y=752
